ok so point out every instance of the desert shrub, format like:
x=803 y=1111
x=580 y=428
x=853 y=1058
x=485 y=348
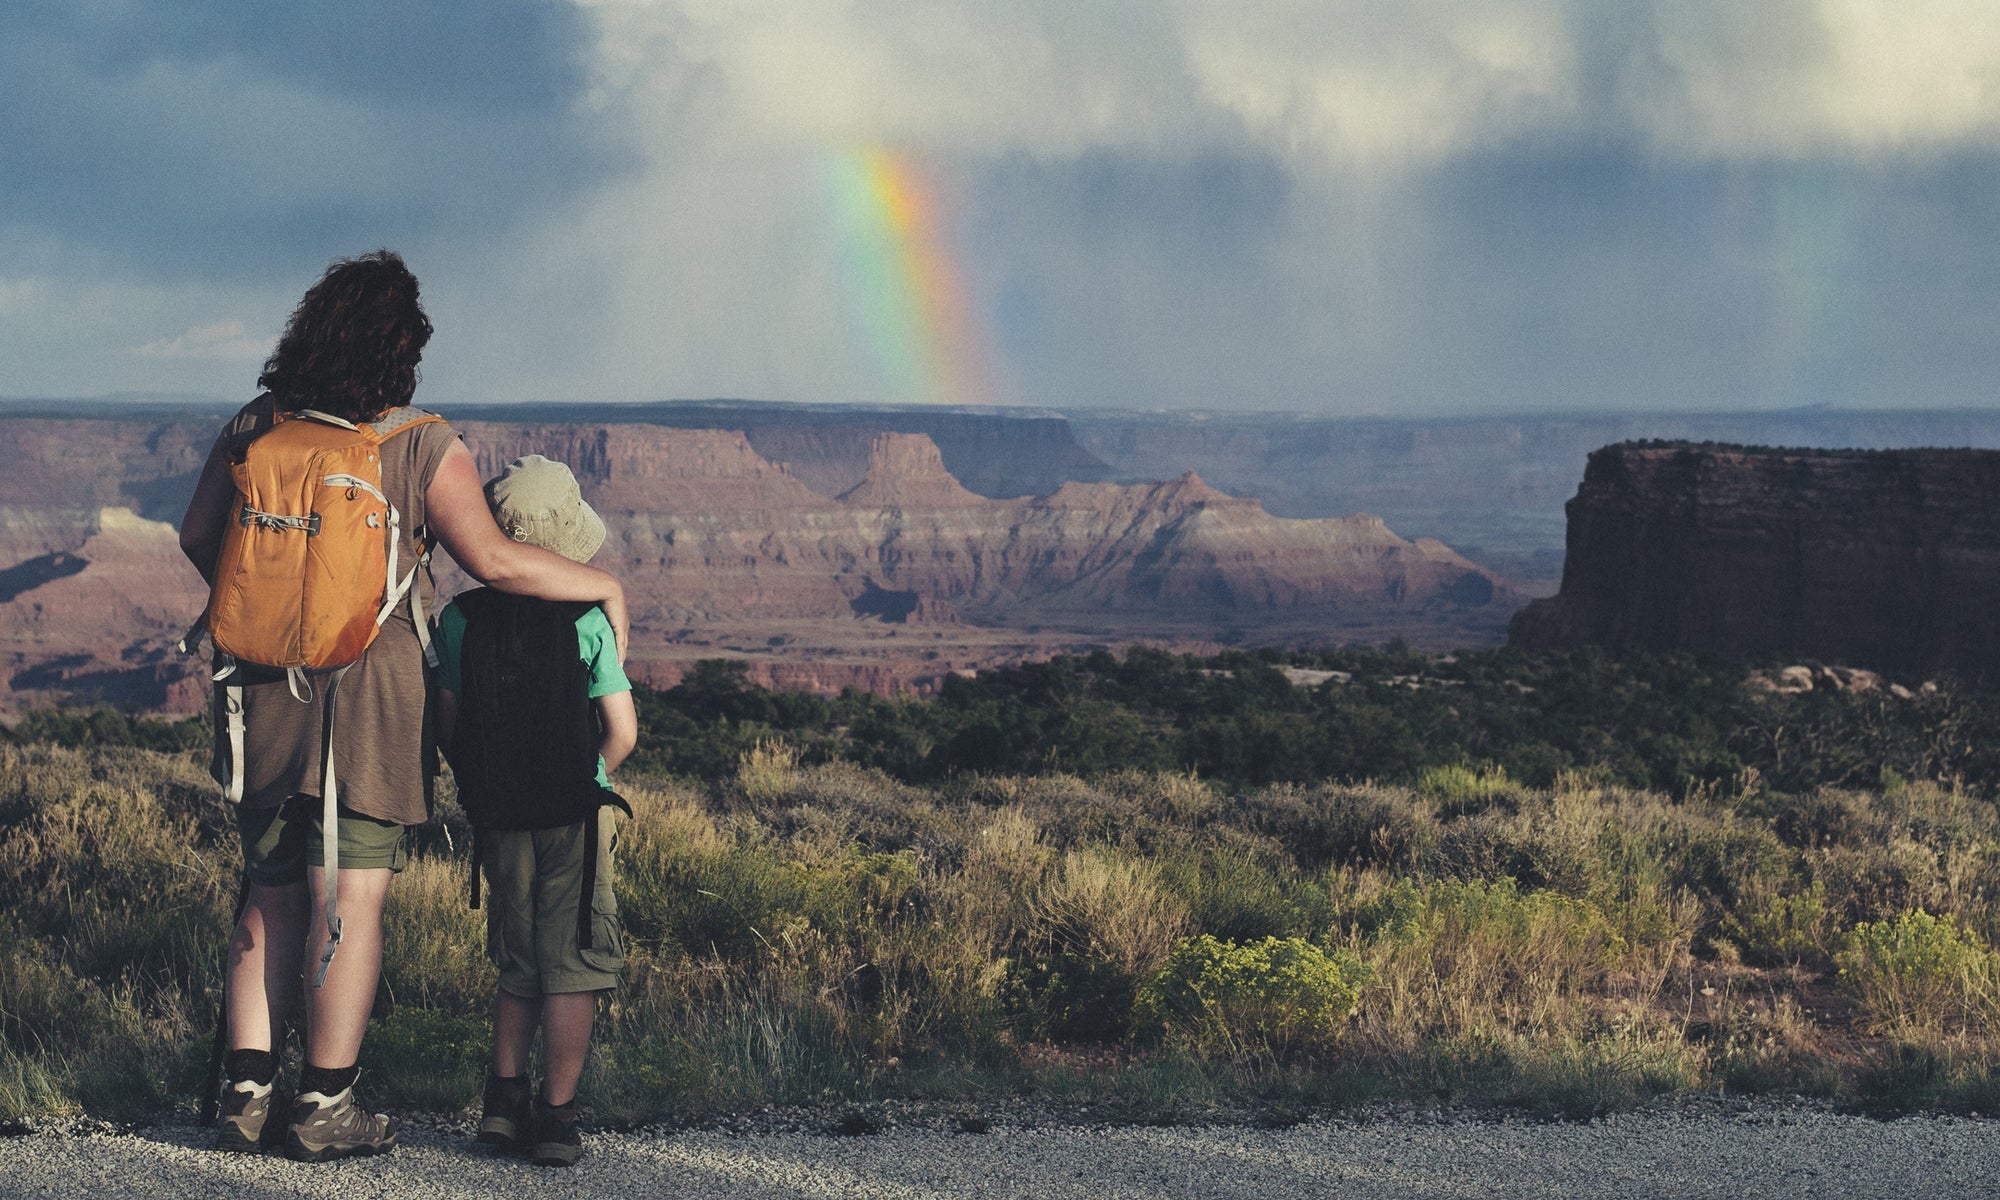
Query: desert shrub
x=433 y=941
x=1922 y=974
x=768 y=770
x=687 y=881
x=1351 y=825
x=1271 y=998
x=76 y=728
x=1542 y=840
x=1724 y=861
x=1066 y=997
x=1782 y=929
x=1232 y=893
x=117 y=901
x=47 y=1008
x=1453 y=957
x=1821 y=817
x=989 y=897
x=1459 y=790
x=1102 y=903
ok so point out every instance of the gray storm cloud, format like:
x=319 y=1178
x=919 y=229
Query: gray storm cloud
x=1329 y=204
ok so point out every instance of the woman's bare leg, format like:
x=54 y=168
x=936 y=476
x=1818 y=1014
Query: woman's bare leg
x=263 y=972
x=337 y=1013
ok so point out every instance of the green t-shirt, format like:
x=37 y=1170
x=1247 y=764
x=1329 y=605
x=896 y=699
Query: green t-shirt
x=595 y=645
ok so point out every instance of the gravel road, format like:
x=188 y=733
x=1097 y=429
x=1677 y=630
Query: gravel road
x=1759 y=1151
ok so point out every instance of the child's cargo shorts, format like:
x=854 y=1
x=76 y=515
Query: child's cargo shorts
x=534 y=879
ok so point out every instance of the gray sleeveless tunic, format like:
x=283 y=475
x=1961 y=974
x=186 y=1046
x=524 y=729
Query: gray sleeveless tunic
x=385 y=755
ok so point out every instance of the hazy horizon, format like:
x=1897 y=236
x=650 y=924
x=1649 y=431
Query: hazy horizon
x=1444 y=209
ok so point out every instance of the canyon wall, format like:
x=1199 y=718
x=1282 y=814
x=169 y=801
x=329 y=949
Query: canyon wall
x=717 y=532
x=897 y=580
x=994 y=452
x=1493 y=487
x=1887 y=559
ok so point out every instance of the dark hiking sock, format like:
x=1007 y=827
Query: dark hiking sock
x=327 y=1081
x=251 y=1066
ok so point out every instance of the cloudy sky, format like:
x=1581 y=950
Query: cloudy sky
x=1344 y=206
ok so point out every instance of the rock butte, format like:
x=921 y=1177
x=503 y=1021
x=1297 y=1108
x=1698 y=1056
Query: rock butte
x=1887 y=559
x=899 y=580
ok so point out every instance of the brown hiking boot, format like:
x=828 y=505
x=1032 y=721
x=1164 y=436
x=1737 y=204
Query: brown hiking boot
x=244 y=1125
x=505 y=1114
x=326 y=1127
x=551 y=1138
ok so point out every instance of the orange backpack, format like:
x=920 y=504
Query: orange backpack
x=309 y=570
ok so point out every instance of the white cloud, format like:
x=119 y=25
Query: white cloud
x=1818 y=77
x=1345 y=81
x=222 y=341
x=1359 y=81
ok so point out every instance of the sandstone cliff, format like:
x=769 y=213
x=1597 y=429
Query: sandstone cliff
x=98 y=624
x=998 y=453
x=1491 y=486
x=709 y=530
x=896 y=580
x=1887 y=558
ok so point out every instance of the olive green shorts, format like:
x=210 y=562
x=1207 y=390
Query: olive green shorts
x=280 y=843
x=534 y=882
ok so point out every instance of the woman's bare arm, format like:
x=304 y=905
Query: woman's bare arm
x=207 y=516
x=455 y=509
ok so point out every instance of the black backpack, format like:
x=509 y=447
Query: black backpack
x=524 y=748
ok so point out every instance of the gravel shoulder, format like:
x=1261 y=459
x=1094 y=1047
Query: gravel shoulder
x=1686 y=1151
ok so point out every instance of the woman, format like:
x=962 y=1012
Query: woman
x=350 y=350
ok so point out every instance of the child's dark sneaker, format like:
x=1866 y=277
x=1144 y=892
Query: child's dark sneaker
x=551 y=1138
x=505 y=1111
x=326 y=1127
x=244 y=1125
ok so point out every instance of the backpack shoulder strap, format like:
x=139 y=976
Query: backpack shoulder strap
x=326 y=418
x=256 y=419
x=401 y=420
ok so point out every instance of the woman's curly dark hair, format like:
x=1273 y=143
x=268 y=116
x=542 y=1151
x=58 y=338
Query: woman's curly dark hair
x=352 y=346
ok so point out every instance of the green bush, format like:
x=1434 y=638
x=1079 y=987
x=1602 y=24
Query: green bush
x=1265 y=999
x=1782 y=930
x=1459 y=789
x=1921 y=974
x=1068 y=998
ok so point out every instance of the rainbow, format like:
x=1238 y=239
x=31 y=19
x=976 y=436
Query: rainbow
x=906 y=289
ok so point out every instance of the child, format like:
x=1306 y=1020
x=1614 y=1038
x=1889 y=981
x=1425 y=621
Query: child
x=532 y=763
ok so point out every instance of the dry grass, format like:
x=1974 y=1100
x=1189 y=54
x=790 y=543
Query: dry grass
x=811 y=931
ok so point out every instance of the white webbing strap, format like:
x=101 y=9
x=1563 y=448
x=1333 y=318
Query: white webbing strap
x=329 y=828
x=232 y=709
x=392 y=590
x=299 y=684
x=417 y=615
